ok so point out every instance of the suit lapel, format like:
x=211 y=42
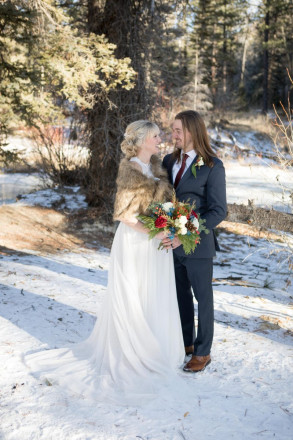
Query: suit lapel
x=170 y=169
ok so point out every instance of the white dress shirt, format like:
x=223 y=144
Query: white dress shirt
x=177 y=165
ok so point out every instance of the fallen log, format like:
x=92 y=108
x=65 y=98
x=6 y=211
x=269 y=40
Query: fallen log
x=260 y=217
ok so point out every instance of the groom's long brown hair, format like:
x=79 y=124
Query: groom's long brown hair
x=194 y=123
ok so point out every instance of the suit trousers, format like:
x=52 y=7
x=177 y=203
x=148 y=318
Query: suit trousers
x=195 y=273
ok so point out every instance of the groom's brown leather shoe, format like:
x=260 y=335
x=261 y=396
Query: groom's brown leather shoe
x=189 y=350
x=197 y=364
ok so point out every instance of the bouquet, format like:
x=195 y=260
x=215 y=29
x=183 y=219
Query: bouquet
x=176 y=218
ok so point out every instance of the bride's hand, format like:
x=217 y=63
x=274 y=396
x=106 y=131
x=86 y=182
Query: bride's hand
x=161 y=235
x=171 y=244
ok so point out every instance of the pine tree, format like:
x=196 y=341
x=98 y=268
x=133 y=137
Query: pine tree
x=215 y=37
x=275 y=43
x=46 y=63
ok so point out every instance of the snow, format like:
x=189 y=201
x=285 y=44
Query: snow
x=267 y=185
x=248 y=142
x=22 y=189
x=52 y=300
x=225 y=138
x=20 y=144
x=69 y=198
x=255 y=175
x=13 y=184
x=253 y=141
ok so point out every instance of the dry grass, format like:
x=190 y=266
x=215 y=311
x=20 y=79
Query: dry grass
x=250 y=231
x=253 y=120
x=25 y=228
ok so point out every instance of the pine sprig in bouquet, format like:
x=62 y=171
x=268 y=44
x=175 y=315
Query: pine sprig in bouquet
x=176 y=218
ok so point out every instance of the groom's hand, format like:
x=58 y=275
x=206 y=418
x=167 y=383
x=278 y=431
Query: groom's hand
x=171 y=244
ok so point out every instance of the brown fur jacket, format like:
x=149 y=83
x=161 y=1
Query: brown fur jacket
x=135 y=191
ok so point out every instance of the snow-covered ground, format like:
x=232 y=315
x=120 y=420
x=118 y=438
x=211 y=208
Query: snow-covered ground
x=68 y=197
x=49 y=301
x=264 y=183
x=22 y=189
x=14 y=184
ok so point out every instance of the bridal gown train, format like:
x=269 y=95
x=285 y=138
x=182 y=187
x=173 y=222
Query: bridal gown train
x=136 y=346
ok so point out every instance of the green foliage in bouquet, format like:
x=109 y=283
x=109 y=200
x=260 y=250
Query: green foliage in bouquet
x=176 y=219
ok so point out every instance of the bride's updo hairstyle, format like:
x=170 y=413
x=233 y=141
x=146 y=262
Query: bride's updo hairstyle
x=135 y=135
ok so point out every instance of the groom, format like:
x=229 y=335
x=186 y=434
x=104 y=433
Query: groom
x=197 y=176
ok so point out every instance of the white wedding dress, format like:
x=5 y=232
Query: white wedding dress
x=136 y=346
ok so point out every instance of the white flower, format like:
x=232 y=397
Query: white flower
x=167 y=206
x=178 y=223
x=195 y=222
x=200 y=162
x=183 y=220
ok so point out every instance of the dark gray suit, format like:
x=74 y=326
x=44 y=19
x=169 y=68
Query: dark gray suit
x=208 y=190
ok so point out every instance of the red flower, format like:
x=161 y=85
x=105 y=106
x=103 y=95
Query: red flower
x=194 y=214
x=161 y=222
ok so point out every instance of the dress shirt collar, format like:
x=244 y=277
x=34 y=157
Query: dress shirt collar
x=191 y=154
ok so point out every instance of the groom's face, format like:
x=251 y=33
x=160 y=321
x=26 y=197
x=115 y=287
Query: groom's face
x=181 y=137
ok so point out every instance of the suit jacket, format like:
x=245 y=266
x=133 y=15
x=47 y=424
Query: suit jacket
x=208 y=191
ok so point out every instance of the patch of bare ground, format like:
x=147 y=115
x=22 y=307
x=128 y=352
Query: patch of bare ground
x=248 y=230
x=94 y=229
x=44 y=230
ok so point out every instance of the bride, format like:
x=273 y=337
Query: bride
x=136 y=345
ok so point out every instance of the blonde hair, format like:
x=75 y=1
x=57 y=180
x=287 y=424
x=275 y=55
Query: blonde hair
x=134 y=136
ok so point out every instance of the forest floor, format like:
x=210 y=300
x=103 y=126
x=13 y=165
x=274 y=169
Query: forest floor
x=54 y=260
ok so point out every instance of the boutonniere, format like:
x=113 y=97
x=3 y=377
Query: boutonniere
x=199 y=163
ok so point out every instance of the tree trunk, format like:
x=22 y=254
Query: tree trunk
x=195 y=100
x=125 y=23
x=213 y=69
x=245 y=46
x=185 y=42
x=224 y=68
x=266 y=59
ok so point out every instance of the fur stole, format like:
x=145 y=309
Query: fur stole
x=135 y=191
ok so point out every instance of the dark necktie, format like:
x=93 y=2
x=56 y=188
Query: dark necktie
x=180 y=172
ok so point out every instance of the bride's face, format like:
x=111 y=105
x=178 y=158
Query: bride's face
x=151 y=143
